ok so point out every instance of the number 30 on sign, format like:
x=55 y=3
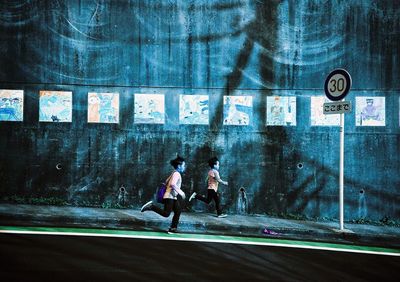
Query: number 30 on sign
x=337 y=84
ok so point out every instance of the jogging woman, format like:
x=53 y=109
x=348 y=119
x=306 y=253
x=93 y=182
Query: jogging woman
x=213 y=180
x=170 y=200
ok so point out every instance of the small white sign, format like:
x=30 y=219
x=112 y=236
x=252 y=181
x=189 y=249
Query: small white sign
x=337 y=108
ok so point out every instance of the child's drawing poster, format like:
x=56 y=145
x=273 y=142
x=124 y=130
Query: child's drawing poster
x=55 y=106
x=11 y=105
x=238 y=110
x=103 y=107
x=370 y=111
x=281 y=110
x=318 y=118
x=149 y=108
x=193 y=109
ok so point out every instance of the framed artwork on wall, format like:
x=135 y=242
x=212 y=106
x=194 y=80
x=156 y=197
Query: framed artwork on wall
x=238 y=110
x=317 y=113
x=370 y=111
x=193 y=109
x=149 y=108
x=55 y=106
x=281 y=111
x=103 y=107
x=11 y=105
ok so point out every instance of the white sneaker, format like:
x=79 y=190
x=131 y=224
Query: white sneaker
x=192 y=196
x=222 y=215
x=172 y=231
x=146 y=206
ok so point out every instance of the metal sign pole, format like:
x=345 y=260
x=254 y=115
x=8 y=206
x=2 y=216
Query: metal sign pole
x=337 y=86
x=341 y=176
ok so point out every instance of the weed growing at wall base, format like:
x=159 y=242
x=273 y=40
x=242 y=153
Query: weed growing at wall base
x=385 y=221
x=35 y=200
x=111 y=205
x=289 y=216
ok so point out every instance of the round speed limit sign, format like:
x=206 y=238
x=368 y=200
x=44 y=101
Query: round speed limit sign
x=337 y=84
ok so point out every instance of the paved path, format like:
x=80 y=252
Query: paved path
x=199 y=223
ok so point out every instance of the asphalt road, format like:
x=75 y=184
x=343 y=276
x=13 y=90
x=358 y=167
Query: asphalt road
x=27 y=257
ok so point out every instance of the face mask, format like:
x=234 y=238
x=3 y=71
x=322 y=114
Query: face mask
x=181 y=168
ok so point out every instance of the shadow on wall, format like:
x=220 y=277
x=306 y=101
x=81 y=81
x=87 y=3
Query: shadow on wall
x=262 y=31
x=283 y=181
x=311 y=190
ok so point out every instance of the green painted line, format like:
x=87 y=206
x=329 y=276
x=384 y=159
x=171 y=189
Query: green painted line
x=198 y=237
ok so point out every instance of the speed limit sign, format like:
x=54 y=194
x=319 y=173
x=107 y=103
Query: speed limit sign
x=337 y=84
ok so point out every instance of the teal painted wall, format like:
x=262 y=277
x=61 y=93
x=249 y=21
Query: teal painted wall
x=215 y=48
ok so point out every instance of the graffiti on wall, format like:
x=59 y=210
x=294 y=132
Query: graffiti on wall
x=11 y=105
x=193 y=109
x=370 y=111
x=317 y=113
x=238 y=110
x=103 y=107
x=281 y=110
x=55 y=106
x=149 y=108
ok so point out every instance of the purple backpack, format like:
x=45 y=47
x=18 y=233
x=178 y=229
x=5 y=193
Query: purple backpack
x=161 y=192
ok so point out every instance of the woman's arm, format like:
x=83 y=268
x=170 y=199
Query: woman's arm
x=175 y=177
x=216 y=176
x=178 y=190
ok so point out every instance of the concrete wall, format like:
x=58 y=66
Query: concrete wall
x=216 y=48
